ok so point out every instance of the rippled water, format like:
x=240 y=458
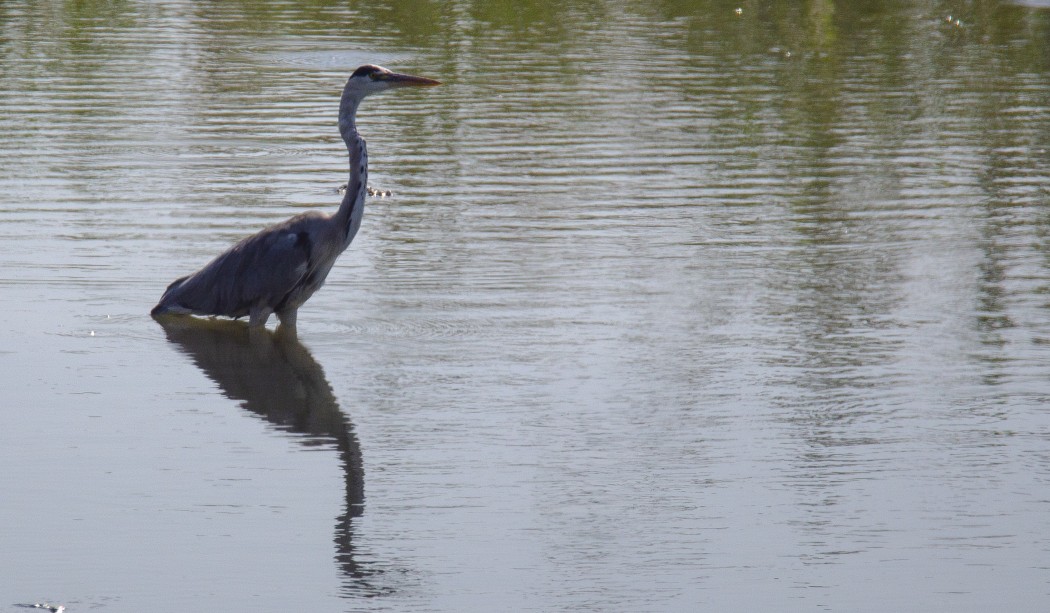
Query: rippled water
x=672 y=308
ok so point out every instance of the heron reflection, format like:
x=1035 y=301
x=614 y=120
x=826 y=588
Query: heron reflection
x=274 y=377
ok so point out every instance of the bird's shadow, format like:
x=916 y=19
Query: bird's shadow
x=274 y=377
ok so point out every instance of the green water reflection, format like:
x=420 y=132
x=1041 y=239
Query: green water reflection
x=674 y=302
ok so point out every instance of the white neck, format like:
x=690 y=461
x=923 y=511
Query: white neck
x=352 y=210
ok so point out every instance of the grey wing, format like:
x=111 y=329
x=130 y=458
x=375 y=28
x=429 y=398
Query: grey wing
x=261 y=270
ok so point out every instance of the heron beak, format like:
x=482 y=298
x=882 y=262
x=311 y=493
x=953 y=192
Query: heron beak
x=404 y=80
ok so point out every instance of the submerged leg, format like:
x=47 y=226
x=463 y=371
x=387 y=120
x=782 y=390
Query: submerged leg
x=258 y=316
x=288 y=317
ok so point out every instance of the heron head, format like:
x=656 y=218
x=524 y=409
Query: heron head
x=370 y=79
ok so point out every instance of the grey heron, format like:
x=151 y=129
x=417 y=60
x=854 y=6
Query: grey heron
x=276 y=270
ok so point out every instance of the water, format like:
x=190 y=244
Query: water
x=672 y=308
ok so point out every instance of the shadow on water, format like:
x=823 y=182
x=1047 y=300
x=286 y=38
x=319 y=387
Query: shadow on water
x=275 y=377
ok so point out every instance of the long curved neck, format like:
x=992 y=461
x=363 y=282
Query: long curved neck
x=352 y=210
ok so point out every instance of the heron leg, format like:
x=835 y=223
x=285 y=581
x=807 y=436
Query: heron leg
x=288 y=317
x=258 y=316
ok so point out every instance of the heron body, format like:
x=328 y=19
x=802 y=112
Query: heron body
x=276 y=270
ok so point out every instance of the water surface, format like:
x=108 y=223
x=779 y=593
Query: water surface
x=672 y=308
